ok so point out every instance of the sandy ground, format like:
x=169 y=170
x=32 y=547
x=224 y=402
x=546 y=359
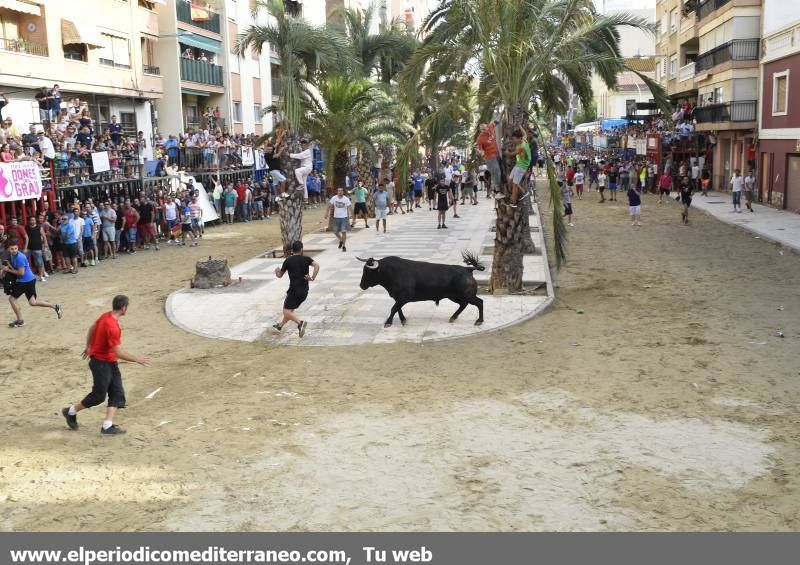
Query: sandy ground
x=668 y=404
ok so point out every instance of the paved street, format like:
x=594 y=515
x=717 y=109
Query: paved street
x=339 y=312
x=780 y=226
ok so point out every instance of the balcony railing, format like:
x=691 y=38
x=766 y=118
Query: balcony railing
x=184 y=11
x=200 y=71
x=738 y=111
x=151 y=70
x=735 y=50
x=686 y=72
x=709 y=6
x=23 y=46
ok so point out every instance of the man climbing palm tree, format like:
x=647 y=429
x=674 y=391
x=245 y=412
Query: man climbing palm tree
x=522 y=152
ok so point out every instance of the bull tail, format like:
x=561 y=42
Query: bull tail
x=471 y=259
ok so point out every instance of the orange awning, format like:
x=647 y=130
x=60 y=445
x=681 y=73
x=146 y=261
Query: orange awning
x=72 y=33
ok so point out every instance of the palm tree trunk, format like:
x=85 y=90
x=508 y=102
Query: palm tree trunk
x=291 y=207
x=513 y=233
x=340 y=166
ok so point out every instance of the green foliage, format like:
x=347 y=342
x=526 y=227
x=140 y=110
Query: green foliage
x=587 y=113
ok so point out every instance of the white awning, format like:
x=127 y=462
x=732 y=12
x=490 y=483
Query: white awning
x=22 y=7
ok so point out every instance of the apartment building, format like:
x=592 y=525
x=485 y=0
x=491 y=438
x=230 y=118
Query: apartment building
x=205 y=81
x=94 y=54
x=709 y=53
x=779 y=127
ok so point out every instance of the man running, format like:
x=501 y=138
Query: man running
x=103 y=351
x=686 y=198
x=664 y=185
x=340 y=206
x=22 y=281
x=297 y=266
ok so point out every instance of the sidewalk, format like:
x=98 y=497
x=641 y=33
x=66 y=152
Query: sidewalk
x=340 y=313
x=779 y=226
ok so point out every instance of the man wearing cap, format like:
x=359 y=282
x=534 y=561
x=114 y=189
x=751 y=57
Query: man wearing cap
x=305 y=157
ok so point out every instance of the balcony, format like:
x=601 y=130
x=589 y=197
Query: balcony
x=110 y=63
x=184 y=12
x=706 y=8
x=23 y=46
x=151 y=70
x=200 y=71
x=739 y=111
x=735 y=50
x=686 y=72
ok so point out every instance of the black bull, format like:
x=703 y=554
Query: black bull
x=416 y=281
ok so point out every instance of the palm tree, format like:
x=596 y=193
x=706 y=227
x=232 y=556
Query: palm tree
x=346 y=113
x=384 y=53
x=304 y=51
x=525 y=54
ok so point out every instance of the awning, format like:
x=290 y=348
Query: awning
x=195 y=92
x=72 y=33
x=22 y=7
x=201 y=42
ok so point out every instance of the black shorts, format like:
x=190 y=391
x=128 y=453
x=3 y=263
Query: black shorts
x=567 y=209
x=294 y=298
x=26 y=288
x=106 y=380
x=360 y=207
x=8 y=284
x=69 y=250
x=686 y=200
x=663 y=191
x=88 y=244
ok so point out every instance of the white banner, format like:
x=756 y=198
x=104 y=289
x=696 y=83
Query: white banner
x=209 y=212
x=100 y=162
x=20 y=180
x=247 y=156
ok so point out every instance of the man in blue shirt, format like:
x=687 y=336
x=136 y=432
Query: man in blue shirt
x=69 y=243
x=173 y=149
x=419 y=184
x=25 y=283
x=116 y=130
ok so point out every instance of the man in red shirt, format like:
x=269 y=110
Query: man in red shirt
x=20 y=233
x=241 y=191
x=103 y=350
x=486 y=145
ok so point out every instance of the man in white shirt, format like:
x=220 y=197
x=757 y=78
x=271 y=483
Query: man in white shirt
x=46 y=146
x=305 y=157
x=340 y=206
x=737 y=184
x=749 y=189
x=171 y=215
x=77 y=223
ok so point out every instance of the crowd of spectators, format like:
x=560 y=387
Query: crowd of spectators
x=67 y=135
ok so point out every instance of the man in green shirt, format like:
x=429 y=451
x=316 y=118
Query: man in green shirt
x=360 y=197
x=523 y=161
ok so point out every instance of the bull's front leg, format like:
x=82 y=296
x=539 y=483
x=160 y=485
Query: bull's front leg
x=396 y=309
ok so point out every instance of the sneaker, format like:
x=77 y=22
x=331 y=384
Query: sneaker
x=16 y=324
x=340 y=244
x=444 y=227
x=72 y=419
x=301 y=329
x=438 y=227
x=59 y=310
x=114 y=430
x=93 y=263
x=344 y=249
x=456 y=216
x=277 y=327
x=571 y=225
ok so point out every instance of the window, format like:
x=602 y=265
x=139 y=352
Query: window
x=257 y=113
x=719 y=95
x=237 y=111
x=673 y=66
x=128 y=121
x=780 y=93
x=76 y=52
x=673 y=21
x=115 y=52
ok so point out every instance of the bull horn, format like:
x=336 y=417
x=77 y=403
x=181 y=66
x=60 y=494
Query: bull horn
x=373 y=266
x=362 y=260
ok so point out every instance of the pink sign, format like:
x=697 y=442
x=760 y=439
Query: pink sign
x=20 y=180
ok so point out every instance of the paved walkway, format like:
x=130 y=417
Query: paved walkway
x=780 y=226
x=340 y=313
